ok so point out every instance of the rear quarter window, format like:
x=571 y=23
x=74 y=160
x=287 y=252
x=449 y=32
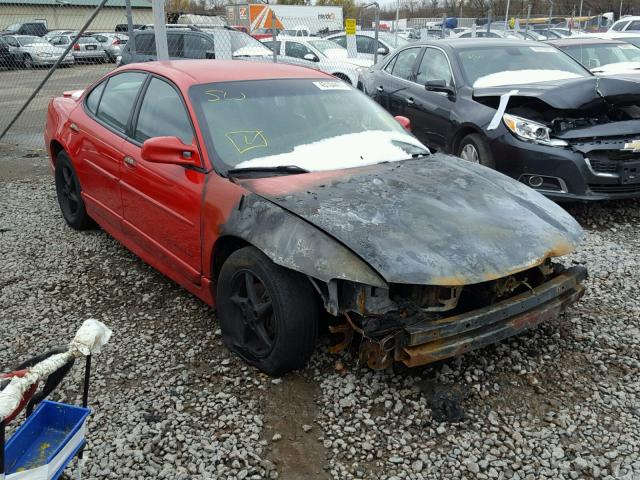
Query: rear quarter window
x=118 y=99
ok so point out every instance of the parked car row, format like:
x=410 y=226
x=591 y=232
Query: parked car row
x=29 y=51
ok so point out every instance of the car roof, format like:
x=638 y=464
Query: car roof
x=456 y=43
x=191 y=72
x=569 y=41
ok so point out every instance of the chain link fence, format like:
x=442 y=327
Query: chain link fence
x=84 y=39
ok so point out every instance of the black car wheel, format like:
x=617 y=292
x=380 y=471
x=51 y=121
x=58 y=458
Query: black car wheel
x=268 y=314
x=68 y=192
x=474 y=149
x=27 y=61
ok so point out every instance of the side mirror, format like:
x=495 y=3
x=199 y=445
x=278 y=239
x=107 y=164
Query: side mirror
x=439 y=86
x=383 y=51
x=170 y=150
x=404 y=121
x=211 y=55
x=311 y=57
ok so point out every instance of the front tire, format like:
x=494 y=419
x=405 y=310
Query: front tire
x=69 y=195
x=27 y=61
x=268 y=314
x=474 y=148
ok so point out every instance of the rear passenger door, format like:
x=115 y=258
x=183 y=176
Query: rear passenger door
x=161 y=202
x=393 y=89
x=98 y=140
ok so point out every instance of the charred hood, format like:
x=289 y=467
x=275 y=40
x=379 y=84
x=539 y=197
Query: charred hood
x=435 y=221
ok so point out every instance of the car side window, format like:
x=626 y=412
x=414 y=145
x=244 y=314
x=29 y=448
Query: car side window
x=146 y=44
x=434 y=66
x=12 y=42
x=296 y=50
x=94 y=97
x=405 y=61
x=162 y=101
x=175 y=43
x=100 y=38
x=118 y=98
x=365 y=44
x=196 y=46
x=342 y=41
x=619 y=26
x=634 y=26
x=389 y=67
x=273 y=45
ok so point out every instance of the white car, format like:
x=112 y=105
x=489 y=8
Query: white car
x=31 y=51
x=318 y=53
x=366 y=43
x=626 y=24
x=602 y=56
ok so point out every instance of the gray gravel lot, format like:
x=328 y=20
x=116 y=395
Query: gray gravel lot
x=561 y=402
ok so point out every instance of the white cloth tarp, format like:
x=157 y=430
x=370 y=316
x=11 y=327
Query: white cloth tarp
x=89 y=339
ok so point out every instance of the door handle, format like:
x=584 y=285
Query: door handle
x=410 y=101
x=380 y=89
x=129 y=161
x=73 y=127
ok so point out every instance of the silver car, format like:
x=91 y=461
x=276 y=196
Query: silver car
x=33 y=51
x=112 y=43
x=86 y=48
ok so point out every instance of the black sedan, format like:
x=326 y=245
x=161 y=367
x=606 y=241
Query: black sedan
x=521 y=107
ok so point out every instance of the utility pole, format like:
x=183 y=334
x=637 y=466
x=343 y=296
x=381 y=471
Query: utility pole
x=526 y=27
x=550 y=12
x=132 y=38
x=506 y=16
x=580 y=14
x=620 y=14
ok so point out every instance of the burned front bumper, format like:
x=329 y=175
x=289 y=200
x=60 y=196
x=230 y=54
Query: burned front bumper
x=429 y=341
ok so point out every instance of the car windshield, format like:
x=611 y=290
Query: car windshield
x=31 y=41
x=516 y=64
x=599 y=55
x=312 y=124
x=396 y=41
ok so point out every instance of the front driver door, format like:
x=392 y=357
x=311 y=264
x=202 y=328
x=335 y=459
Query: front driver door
x=395 y=81
x=162 y=202
x=430 y=112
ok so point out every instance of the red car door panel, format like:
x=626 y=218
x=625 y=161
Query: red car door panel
x=98 y=167
x=161 y=206
x=162 y=202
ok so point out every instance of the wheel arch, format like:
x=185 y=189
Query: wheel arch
x=461 y=132
x=55 y=147
x=222 y=249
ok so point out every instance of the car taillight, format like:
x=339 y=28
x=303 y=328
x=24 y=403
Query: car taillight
x=116 y=42
x=76 y=47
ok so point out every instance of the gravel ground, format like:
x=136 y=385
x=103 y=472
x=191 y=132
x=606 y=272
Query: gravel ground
x=562 y=401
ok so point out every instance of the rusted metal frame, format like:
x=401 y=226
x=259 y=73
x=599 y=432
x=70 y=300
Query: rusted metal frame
x=426 y=331
x=490 y=334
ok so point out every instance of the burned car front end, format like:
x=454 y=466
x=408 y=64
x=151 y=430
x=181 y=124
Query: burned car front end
x=572 y=140
x=425 y=259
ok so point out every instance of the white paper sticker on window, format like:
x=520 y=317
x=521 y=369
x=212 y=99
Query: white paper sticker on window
x=337 y=85
x=543 y=49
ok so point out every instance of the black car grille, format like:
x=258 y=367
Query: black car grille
x=608 y=161
x=632 y=188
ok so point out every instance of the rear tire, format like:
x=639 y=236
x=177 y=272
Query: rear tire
x=268 y=314
x=69 y=195
x=474 y=148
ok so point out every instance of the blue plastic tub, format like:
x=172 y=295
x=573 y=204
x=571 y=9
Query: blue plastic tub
x=47 y=440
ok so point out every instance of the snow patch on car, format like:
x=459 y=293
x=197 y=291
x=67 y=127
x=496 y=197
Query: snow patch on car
x=344 y=151
x=520 y=77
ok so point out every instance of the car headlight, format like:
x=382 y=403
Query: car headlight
x=531 y=131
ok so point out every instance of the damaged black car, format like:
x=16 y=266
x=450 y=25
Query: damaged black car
x=526 y=109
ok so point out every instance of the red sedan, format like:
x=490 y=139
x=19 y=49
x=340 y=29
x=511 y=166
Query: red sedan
x=277 y=192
